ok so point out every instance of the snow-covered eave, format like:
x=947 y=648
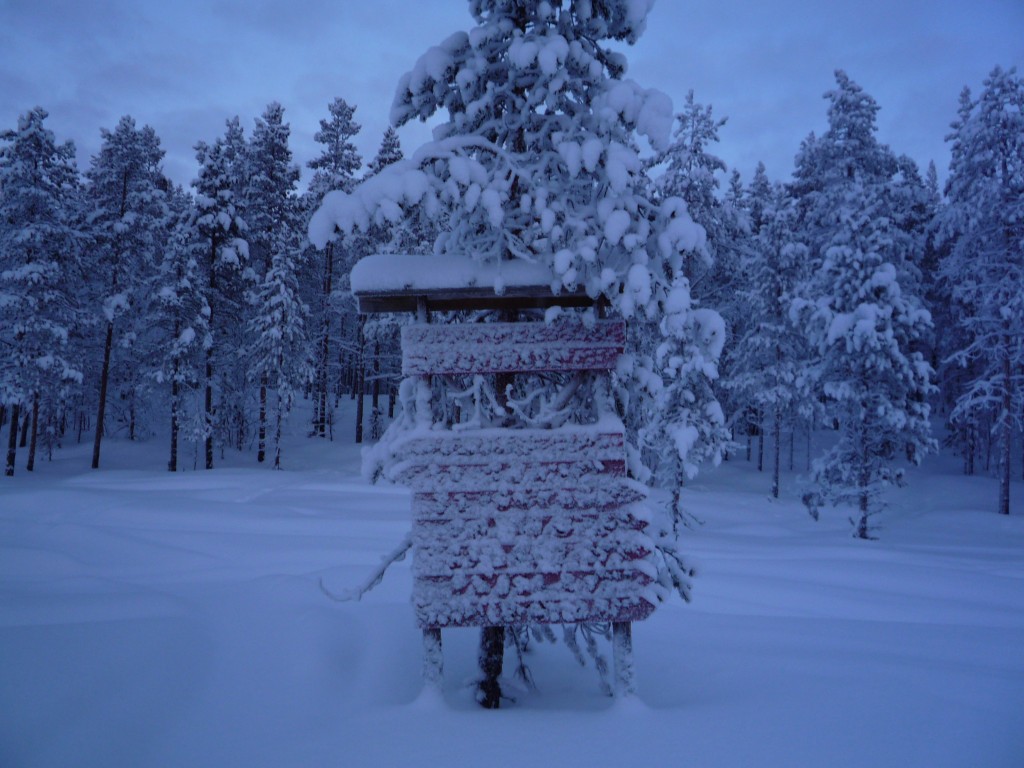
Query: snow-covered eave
x=402 y=282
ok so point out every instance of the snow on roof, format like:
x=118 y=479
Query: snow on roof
x=402 y=273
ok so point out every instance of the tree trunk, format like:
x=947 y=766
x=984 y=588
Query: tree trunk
x=864 y=481
x=208 y=395
x=172 y=462
x=208 y=409
x=359 y=406
x=277 y=429
x=776 y=451
x=792 y=448
x=101 y=408
x=492 y=658
x=31 y=464
x=760 y=441
x=261 y=452
x=810 y=434
x=12 y=441
x=376 y=374
x=320 y=426
x=24 y=430
x=970 y=451
x=1007 y=436
x=360 y=384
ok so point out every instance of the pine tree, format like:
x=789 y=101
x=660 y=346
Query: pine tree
x=766 y=375
x=390 y=152
x=39 y=267
x=128 y=223
x=272 y=219
x=983 y=225
x=860 y=311
x=181 y=313
x=335 y=168
x=281 y=352
x=221 y=252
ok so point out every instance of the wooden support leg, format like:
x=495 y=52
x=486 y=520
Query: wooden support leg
x=492 y=654
x=622 y=654
x=433 y=658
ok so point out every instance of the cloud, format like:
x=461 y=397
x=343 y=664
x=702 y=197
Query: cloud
x=184 y=67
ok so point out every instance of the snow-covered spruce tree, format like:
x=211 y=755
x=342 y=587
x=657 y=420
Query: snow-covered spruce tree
x=281 y=353
x=334 y=169
x=272 y=216
x=390 y=151
x=767 y=360
x=539 y=160
x=221 y=252
x=983 y=225
x=128 y=222
x=859 y=311
x=39 y=267
x=692 y=173
x=383 y=331
x=181 y=314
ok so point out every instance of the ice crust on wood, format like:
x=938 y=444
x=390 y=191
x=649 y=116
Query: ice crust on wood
x=526 y=526
x=510 y=347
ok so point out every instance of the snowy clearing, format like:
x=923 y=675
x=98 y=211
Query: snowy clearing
x=150 y=619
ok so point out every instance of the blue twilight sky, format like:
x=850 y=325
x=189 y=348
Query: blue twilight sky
x=184 y=66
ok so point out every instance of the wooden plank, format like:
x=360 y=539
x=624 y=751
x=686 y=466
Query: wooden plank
x=601 y=498
x=510 y=459
x=491 y=558
x=498 y=545
x=511 y=347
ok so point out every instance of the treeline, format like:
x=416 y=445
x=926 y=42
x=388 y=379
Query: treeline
x=858 y=295
x=125 y=300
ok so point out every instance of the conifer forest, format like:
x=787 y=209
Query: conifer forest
x=859 y=294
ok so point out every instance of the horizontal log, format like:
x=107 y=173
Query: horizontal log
x=528 y=544
x=602 y=498
x=472 y=348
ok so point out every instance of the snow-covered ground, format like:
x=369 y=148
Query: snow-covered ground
x=151 y=619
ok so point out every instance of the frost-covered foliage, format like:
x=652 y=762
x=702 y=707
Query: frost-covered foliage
x=275 y=341
x=335 y=169
x=40 y=242
x=128 y=222
x=271 y=182
x=767 y=375
x=179 y=308
x=336 y=166
x=538 y=156
x=390 y=151
x=539 y=160
x=859 y=309
x=281 y=354
x=983 y=273
x=221 y=251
